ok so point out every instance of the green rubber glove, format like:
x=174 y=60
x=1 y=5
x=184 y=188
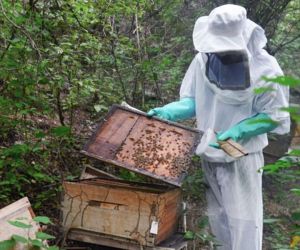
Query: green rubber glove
x=174 y=111
x=256 y=125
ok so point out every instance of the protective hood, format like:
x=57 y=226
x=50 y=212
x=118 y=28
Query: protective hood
x=227 y=29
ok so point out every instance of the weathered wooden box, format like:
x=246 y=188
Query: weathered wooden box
x=147 y=214
x=141 y=212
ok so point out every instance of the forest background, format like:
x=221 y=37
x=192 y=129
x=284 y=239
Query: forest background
x=64 y=63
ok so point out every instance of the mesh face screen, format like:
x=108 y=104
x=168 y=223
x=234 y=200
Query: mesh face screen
x=228 y=70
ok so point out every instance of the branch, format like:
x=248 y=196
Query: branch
x=22 y=30
x=139 y=54
x=280 y=46
x=156 y=12
x=59 y=108
x=8 y=45
x=117 y=70
x=76 y=18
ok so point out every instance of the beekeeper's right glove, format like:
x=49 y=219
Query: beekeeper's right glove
x=175 y=111
x=259 y=124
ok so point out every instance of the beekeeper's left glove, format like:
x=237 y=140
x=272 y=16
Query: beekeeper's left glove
x=174 y=111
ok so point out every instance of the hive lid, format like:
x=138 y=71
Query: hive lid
x=149 y=146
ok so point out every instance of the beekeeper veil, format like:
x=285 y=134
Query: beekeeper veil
x=229 y=40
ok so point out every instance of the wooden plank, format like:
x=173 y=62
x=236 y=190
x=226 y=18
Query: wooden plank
x=176 y=242
x=91 y=173
x=169 y=214
x=137 y=186
x=232 y=148
x=14 y=208
x=113 y=132
x=126 y=197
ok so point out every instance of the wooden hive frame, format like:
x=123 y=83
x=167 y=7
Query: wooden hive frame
x=149 y=146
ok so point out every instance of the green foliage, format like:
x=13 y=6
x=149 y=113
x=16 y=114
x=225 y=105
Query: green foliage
x=262 y=90
x=42 y=219
x=38 y=242
x=283 y=80
x=201 y=234
x=193 y=185
x=189 y=235
x=20 y=224
x=7 y=244
x=20 y=167
x=130 y=176
x=288 y=166
x=44 y=236
x=61 y=131
x=62 y=65
x=20 y=239
x=286 y=39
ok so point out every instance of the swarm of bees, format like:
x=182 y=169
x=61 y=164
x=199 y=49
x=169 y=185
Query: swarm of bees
x=158 y=150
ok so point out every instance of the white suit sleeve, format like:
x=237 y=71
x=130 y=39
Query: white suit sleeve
x=271 y=102
x=188 y=85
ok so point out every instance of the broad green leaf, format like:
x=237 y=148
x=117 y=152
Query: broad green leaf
x=203 y=222
x=40 y=135
x=44 y=236
x=71 y=178
x=7 y=244
x=20 y=224
x=280 y=164
x=100 y=107
x=283 y=80
x=262 y=90
x=22 y=218
x=42 y=219
x=296 y=216
x=97 y=108
x=37 y=243
x=294 y=112
x=296 y=191
x=61 y=131
x=295 y=152
x=20 y=238
x=271 y=220
x=52 y=248
x=267 y=121
x=189 y=235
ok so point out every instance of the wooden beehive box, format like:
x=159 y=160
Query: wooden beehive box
x=141 y=212
x=147 y=214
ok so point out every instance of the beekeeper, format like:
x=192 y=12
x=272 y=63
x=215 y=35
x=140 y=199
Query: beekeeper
x=218 y=88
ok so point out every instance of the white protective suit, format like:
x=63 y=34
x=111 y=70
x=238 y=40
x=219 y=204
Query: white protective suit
x=234 y=195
